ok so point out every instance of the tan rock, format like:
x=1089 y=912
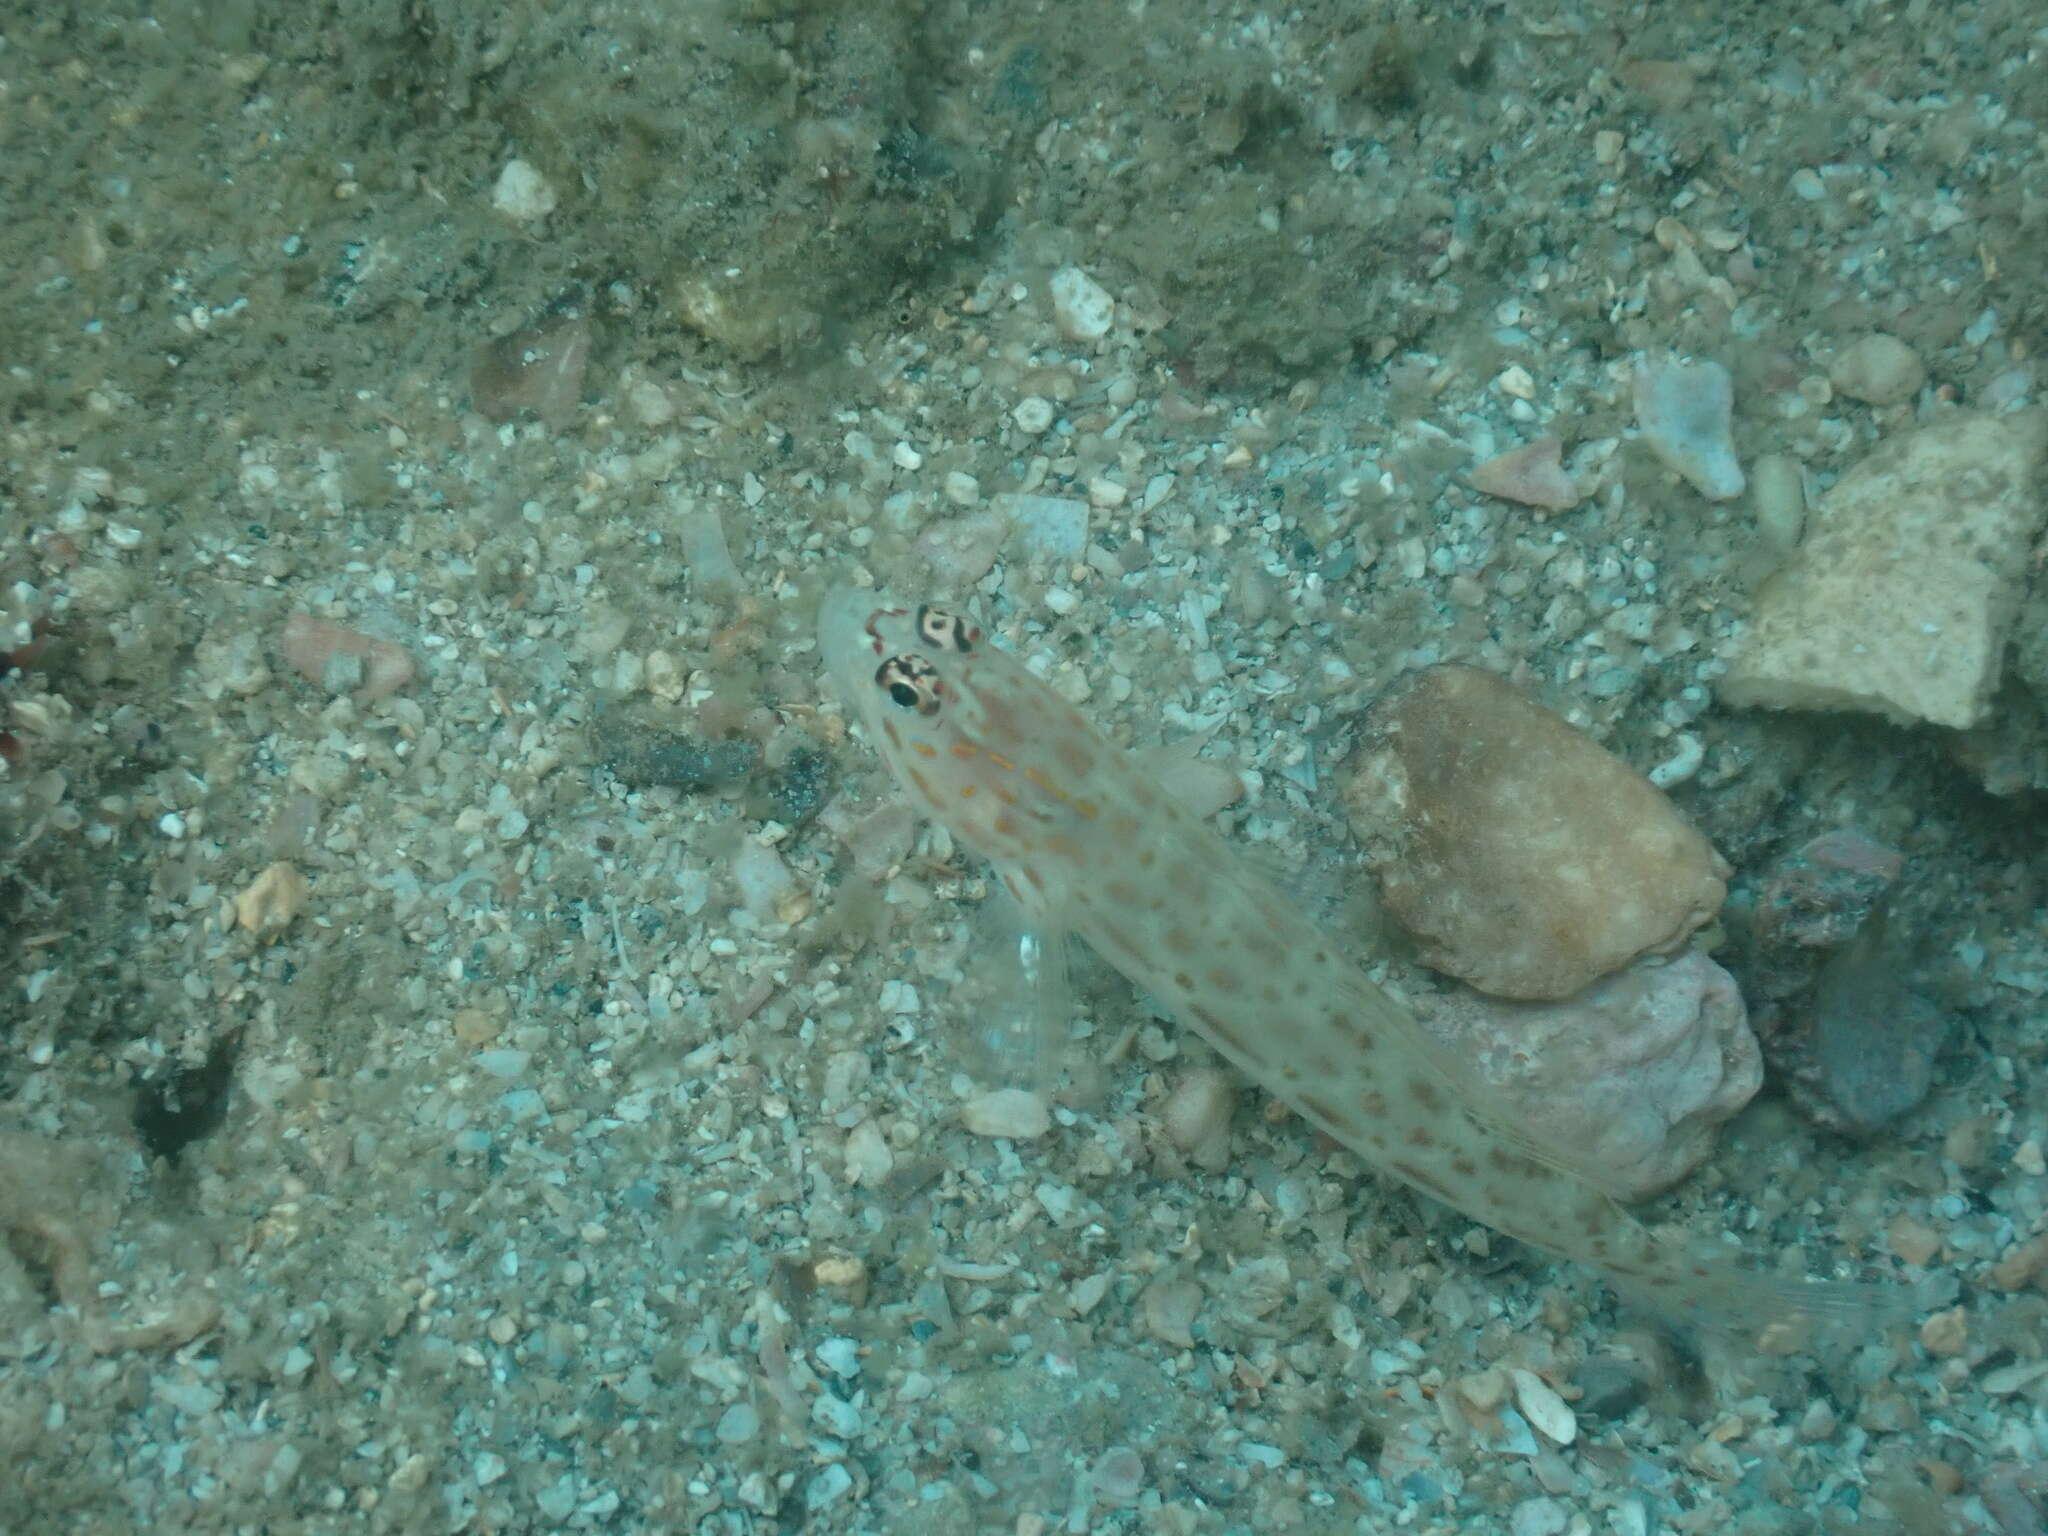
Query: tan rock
x=1524 y=857
x=1901 y=598
x=1878 y=370
x=267 y=905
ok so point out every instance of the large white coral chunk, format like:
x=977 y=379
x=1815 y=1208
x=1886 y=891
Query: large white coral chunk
x=1686 y=410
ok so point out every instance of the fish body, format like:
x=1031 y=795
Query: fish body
x=1088 y=842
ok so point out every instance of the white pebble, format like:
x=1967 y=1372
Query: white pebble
x=1779 y=494
x=1543 y=1408
x=1196 y=1116
x=1081 y=307
x=1032 y=414
x=1049 y=528
x=738 y=1424
x=522 y=193
x=1688 y=753
x=1011 y=1112
x=1105 y=492
x=1118 y=1476
x=841 y=1356
x=835 y=1415
x=761 y=878
x=505 y=1063
x=1878 y=370
x=826 y=1487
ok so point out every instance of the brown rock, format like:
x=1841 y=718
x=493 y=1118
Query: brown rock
x=1524 y=857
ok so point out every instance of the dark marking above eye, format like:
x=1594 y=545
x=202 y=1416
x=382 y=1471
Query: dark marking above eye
x=946 y=631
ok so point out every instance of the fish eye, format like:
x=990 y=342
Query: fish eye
x=911 y=683
x=945 y=631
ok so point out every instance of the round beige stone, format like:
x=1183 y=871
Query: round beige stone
x=1524 y=857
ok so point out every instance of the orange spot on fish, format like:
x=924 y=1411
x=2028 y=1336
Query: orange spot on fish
x=924 y=749
x=1086 y=808
x=1045 y=783
x=1001 y=761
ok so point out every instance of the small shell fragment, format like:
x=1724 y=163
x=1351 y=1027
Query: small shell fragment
x=1546 y=1412
x=268 y=904
x=1196 y=1116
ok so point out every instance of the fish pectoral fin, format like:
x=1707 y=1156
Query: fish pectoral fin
x=1045 y=959
x=1017 y=994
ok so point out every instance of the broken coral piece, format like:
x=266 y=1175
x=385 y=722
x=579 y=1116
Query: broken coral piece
x=1903 y=595
x=1533 y=475
x=1686 y=411
x=268 y=903
x=342 y=660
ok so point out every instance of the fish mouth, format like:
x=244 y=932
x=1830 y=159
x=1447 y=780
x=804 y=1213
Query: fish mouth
x=848 y=644
x=845 y=618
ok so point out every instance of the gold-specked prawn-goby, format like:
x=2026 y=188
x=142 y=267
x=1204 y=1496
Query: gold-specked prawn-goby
x=1089 y=844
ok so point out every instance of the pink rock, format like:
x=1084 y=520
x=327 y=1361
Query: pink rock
x=1635 y=1073
x=342 y=660
x=1532 y=474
